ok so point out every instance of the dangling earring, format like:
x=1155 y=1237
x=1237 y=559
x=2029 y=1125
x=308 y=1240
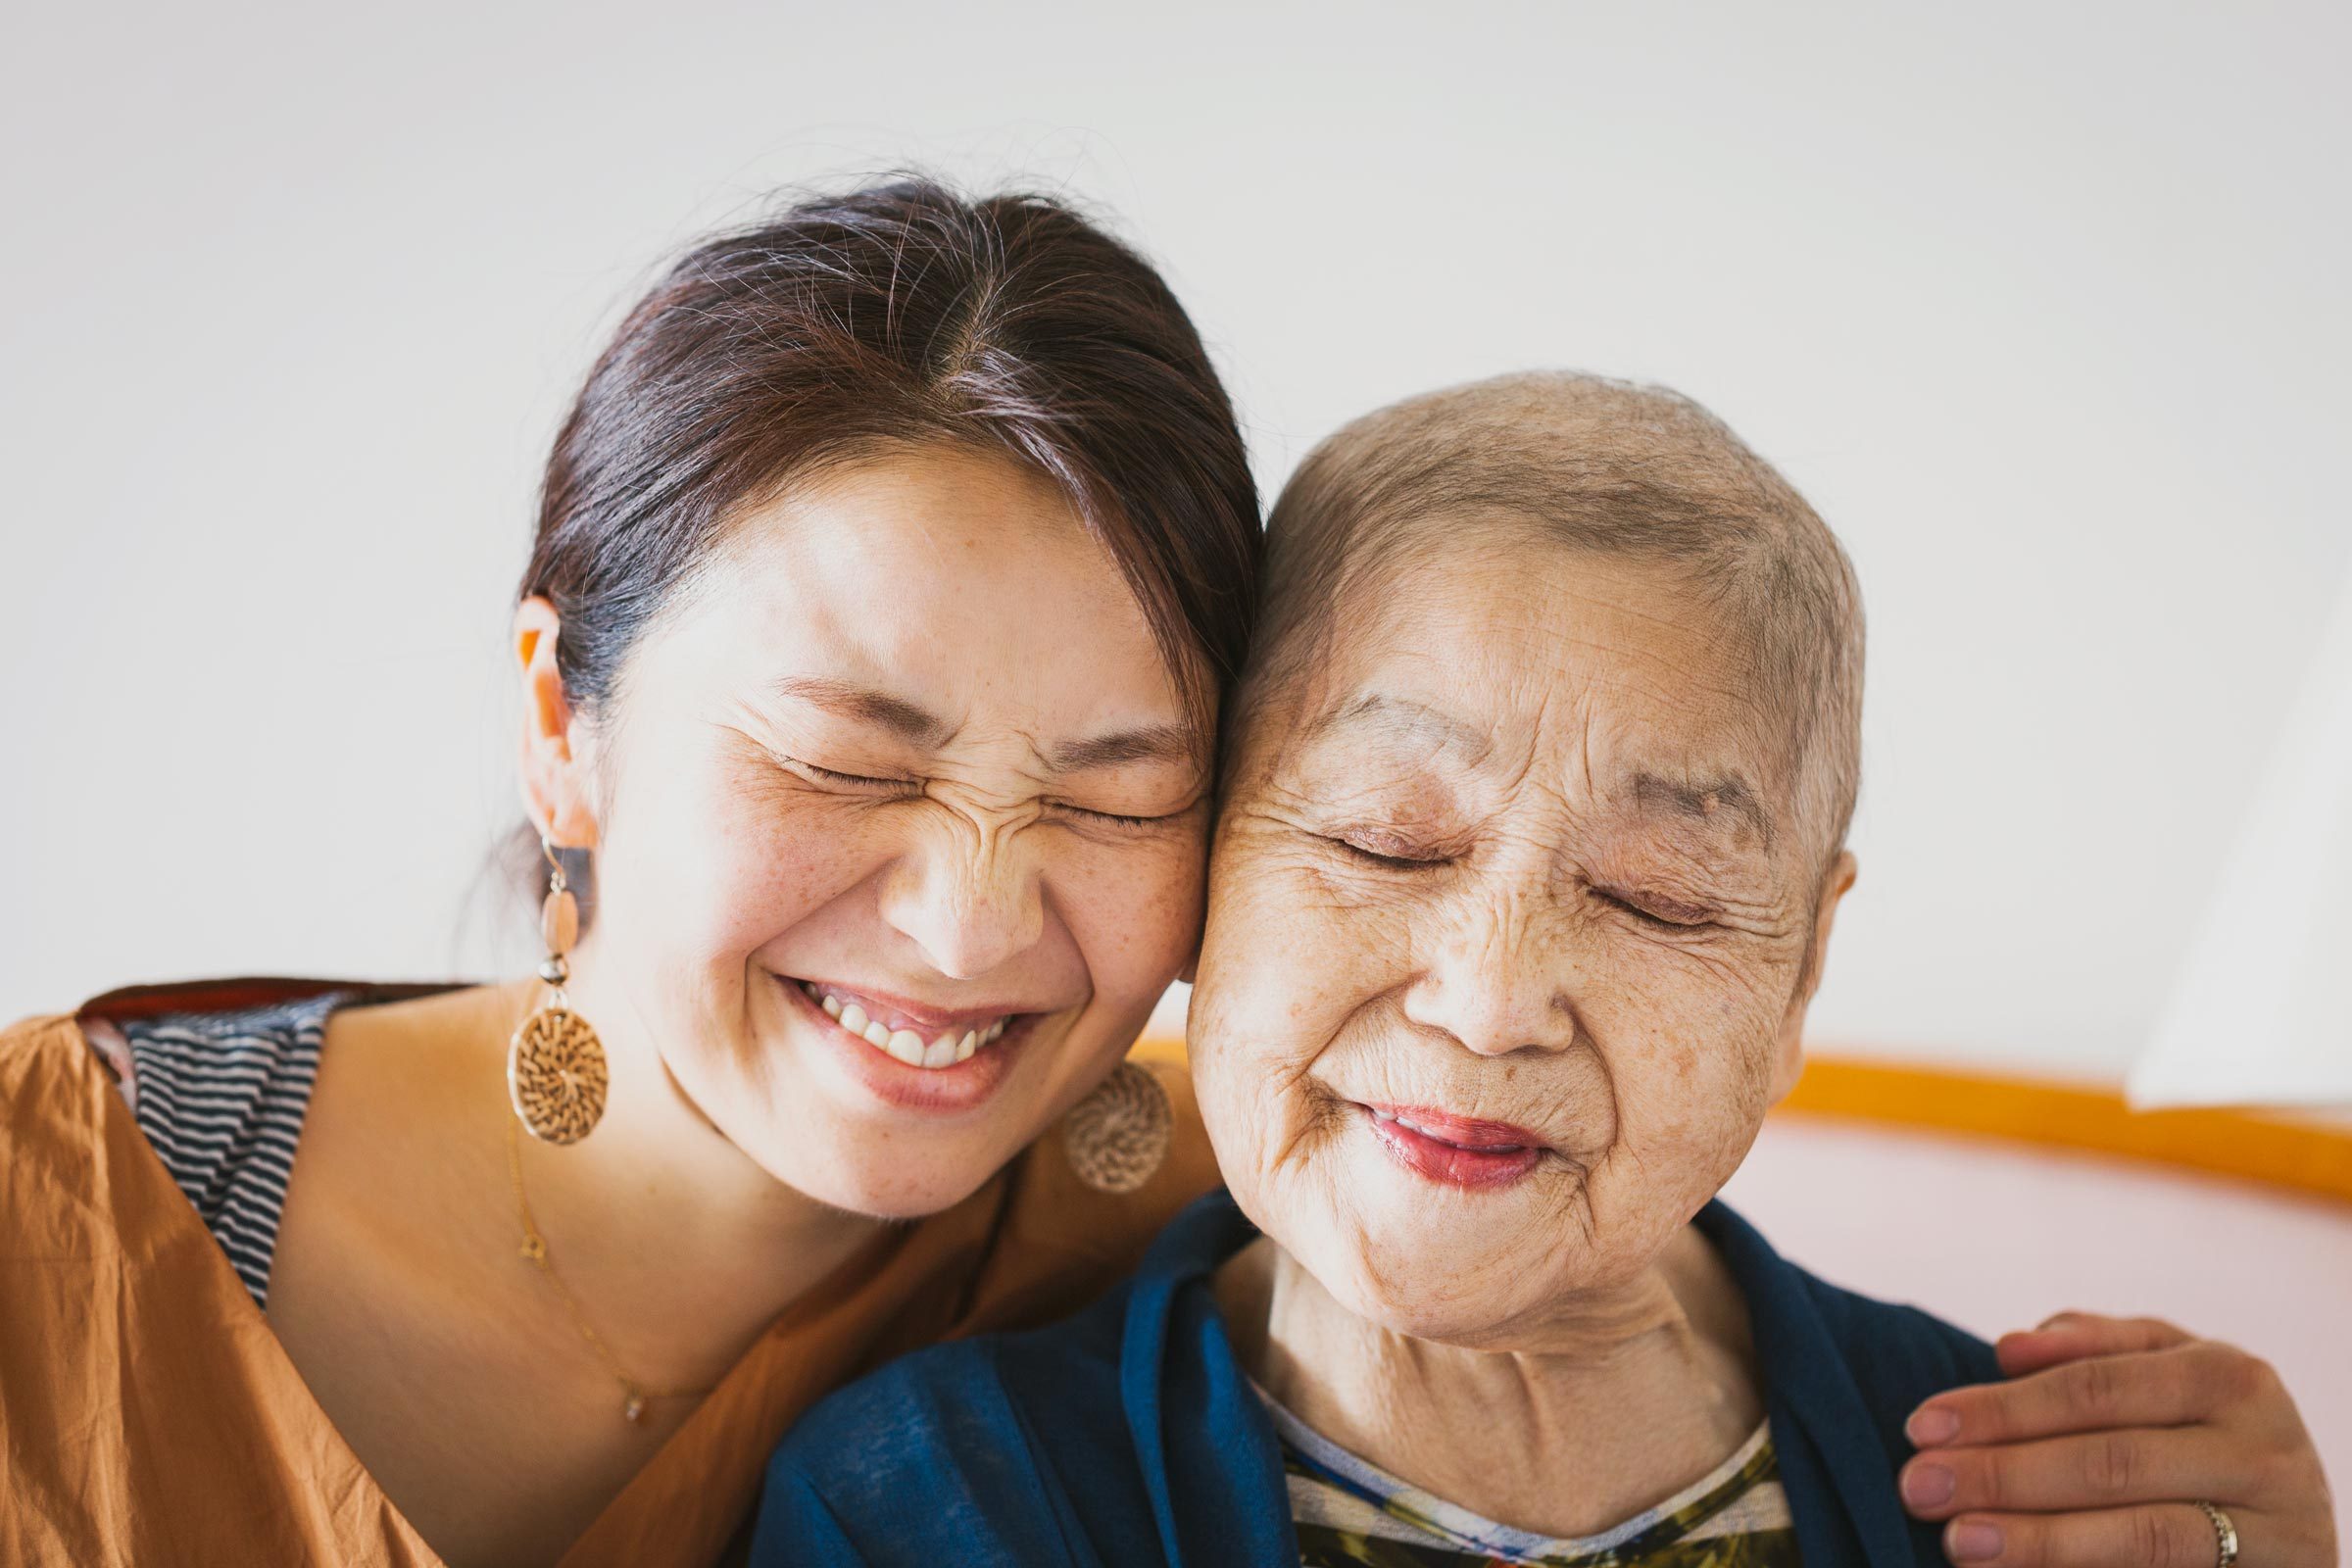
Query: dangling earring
x=555 y=1076
x=1117 y=1136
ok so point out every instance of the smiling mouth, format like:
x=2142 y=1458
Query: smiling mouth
x=931 y=1047
x=1455 y=1150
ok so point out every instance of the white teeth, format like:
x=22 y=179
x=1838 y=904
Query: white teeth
x=1382 y=1115
x=905 y=1044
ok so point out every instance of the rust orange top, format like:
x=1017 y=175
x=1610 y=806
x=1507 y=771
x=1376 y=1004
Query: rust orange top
x=148 y=1414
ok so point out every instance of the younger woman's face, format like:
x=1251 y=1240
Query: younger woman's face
x=900 y=829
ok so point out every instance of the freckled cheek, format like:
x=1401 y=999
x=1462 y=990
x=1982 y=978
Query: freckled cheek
x=1134 y=910
x=739 y=866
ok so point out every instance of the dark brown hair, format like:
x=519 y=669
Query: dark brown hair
x=899 y=314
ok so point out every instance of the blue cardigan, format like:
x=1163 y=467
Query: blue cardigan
x=1129 y=1435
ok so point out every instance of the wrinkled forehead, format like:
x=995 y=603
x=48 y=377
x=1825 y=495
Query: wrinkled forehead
x=1608 y=678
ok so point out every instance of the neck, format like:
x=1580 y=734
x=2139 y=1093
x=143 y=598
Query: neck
x=679 y=1247
x=1625 y=1398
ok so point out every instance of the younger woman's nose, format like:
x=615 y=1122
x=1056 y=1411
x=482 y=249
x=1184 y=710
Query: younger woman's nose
x=969 y=899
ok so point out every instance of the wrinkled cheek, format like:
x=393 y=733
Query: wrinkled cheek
x=1691 y=1112
x=1281 y=976
x=1238 y=1074
x=1743 y=1068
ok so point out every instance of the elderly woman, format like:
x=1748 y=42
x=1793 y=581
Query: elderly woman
x=1532 y=847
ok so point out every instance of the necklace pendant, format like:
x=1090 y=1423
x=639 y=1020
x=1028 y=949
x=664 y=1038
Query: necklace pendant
x=633 y=1409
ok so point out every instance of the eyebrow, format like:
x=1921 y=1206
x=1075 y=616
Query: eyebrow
x=919 y=726
x=1703 y=800
x=1149 y=743
x=1402 y=717
x=869 y=705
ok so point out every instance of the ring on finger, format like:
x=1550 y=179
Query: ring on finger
x=2225 y=1535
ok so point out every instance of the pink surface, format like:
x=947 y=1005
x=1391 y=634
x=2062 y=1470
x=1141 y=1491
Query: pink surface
x=1994 y=1236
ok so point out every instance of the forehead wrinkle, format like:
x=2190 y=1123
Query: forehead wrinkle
x=1682 y=674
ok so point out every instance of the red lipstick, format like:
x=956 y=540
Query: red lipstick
x=1455 y=1150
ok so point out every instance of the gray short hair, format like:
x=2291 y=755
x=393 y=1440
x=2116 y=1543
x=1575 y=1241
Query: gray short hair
x=1622 y=469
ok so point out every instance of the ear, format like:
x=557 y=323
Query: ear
x=1789 y=1060
x=556 y=771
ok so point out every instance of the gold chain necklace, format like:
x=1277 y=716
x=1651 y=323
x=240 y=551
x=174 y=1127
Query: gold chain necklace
x=634 y=1394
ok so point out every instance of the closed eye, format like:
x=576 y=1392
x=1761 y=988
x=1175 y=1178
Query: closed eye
x=854 y=780
x=1655 y=911
x=1384 y=851
x=1132 y=824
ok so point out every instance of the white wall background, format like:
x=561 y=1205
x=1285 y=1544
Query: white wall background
x=2043 y=305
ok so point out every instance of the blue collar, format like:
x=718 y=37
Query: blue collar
x=1829 y=1433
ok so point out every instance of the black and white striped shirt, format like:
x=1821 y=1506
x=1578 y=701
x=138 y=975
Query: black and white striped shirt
x=222 y=1097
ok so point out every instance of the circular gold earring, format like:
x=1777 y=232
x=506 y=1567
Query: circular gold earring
x=1117 y=1136
x=555 y=1074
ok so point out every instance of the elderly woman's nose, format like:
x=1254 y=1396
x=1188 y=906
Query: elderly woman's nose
x=1493 y=984
x=970 y=899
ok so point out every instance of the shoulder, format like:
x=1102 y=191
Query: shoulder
x=936 y=1401
x=1895 y=1354
x=1842 y=1372
x=104 y=1266
x=205 y=1083
x=200 y=1065
x=1090 y=1439
x=1899 y=1353
x=221 y=1097
x=989 y=1435
x=56 y=1094
x=36 y=1049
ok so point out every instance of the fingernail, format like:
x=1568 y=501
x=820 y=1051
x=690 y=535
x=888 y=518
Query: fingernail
x=1973 y=1541
x=1932 y=1426
x=1926 y=1485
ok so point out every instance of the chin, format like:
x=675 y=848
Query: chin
x=1458 y=1269
x=877 y=1182
x=1407 y=1291
x=833 y=1156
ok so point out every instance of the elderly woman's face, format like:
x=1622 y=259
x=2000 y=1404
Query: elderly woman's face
x=1507 y=933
